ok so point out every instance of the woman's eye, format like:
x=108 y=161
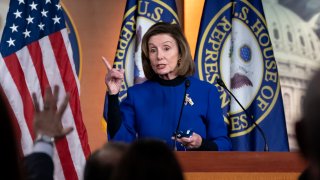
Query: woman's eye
x=152 y=50
x=166 y=48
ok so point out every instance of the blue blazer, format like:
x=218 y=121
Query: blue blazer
x=152 y=109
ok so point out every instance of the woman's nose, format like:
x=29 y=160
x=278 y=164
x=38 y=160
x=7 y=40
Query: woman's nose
x=160 y=55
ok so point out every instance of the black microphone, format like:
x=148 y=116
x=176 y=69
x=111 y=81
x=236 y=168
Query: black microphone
x=221 y=83
x=187 y=85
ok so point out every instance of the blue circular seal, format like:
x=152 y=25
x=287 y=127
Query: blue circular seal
x=235 y=46
x=137 y=20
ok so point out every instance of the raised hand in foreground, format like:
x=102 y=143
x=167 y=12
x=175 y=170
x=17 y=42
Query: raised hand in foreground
x=47 y=121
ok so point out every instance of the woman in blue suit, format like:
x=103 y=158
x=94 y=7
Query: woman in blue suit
x=170 y=100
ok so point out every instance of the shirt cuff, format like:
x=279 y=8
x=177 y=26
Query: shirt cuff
x=208 y=145
x=43 y=147
x=113 y=97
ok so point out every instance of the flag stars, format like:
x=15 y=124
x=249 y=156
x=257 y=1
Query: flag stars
x=18 y=14
x=44 y=13
x=11 y=42
x=14 y=28
x=30 y=19
x=56 y=20
x=41 y=26
x=26 y=33
x=48 y=1
x=58 y=6
x=33 y=6
x=21 y=2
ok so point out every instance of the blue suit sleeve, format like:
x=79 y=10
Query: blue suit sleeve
x=127 y=130
x=113 y=115
x=216 y=127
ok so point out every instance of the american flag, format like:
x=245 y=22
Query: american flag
x=36 y=53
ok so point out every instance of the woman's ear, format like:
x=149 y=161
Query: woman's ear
x=179 y=62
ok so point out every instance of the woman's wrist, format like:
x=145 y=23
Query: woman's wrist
x=112 y=94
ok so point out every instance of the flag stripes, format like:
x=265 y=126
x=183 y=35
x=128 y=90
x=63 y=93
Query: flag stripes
x=32 y=69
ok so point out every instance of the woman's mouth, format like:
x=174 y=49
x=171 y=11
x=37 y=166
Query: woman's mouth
x=161 y=66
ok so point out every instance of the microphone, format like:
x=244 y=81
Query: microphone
x=266 y=147
x=187 y=85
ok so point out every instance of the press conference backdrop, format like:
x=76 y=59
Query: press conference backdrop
x=294 y=29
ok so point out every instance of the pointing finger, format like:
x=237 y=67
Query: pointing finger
x=106 y=63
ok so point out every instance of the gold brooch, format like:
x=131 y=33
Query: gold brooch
x=187 y=100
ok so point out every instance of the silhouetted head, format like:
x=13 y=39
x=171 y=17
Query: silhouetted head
x=101 y=163
x=308 y=128
x=149 y=159
x=10 y=157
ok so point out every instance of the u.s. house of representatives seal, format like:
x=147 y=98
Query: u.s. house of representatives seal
x=137 y=20
x=236 y=47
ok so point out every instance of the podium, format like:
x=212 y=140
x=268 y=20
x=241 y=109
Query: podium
x=241 y=165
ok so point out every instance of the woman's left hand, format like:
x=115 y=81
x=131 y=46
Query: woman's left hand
x=191 y=142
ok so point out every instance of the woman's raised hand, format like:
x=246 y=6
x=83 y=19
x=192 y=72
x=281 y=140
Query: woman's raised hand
x=114 y=78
